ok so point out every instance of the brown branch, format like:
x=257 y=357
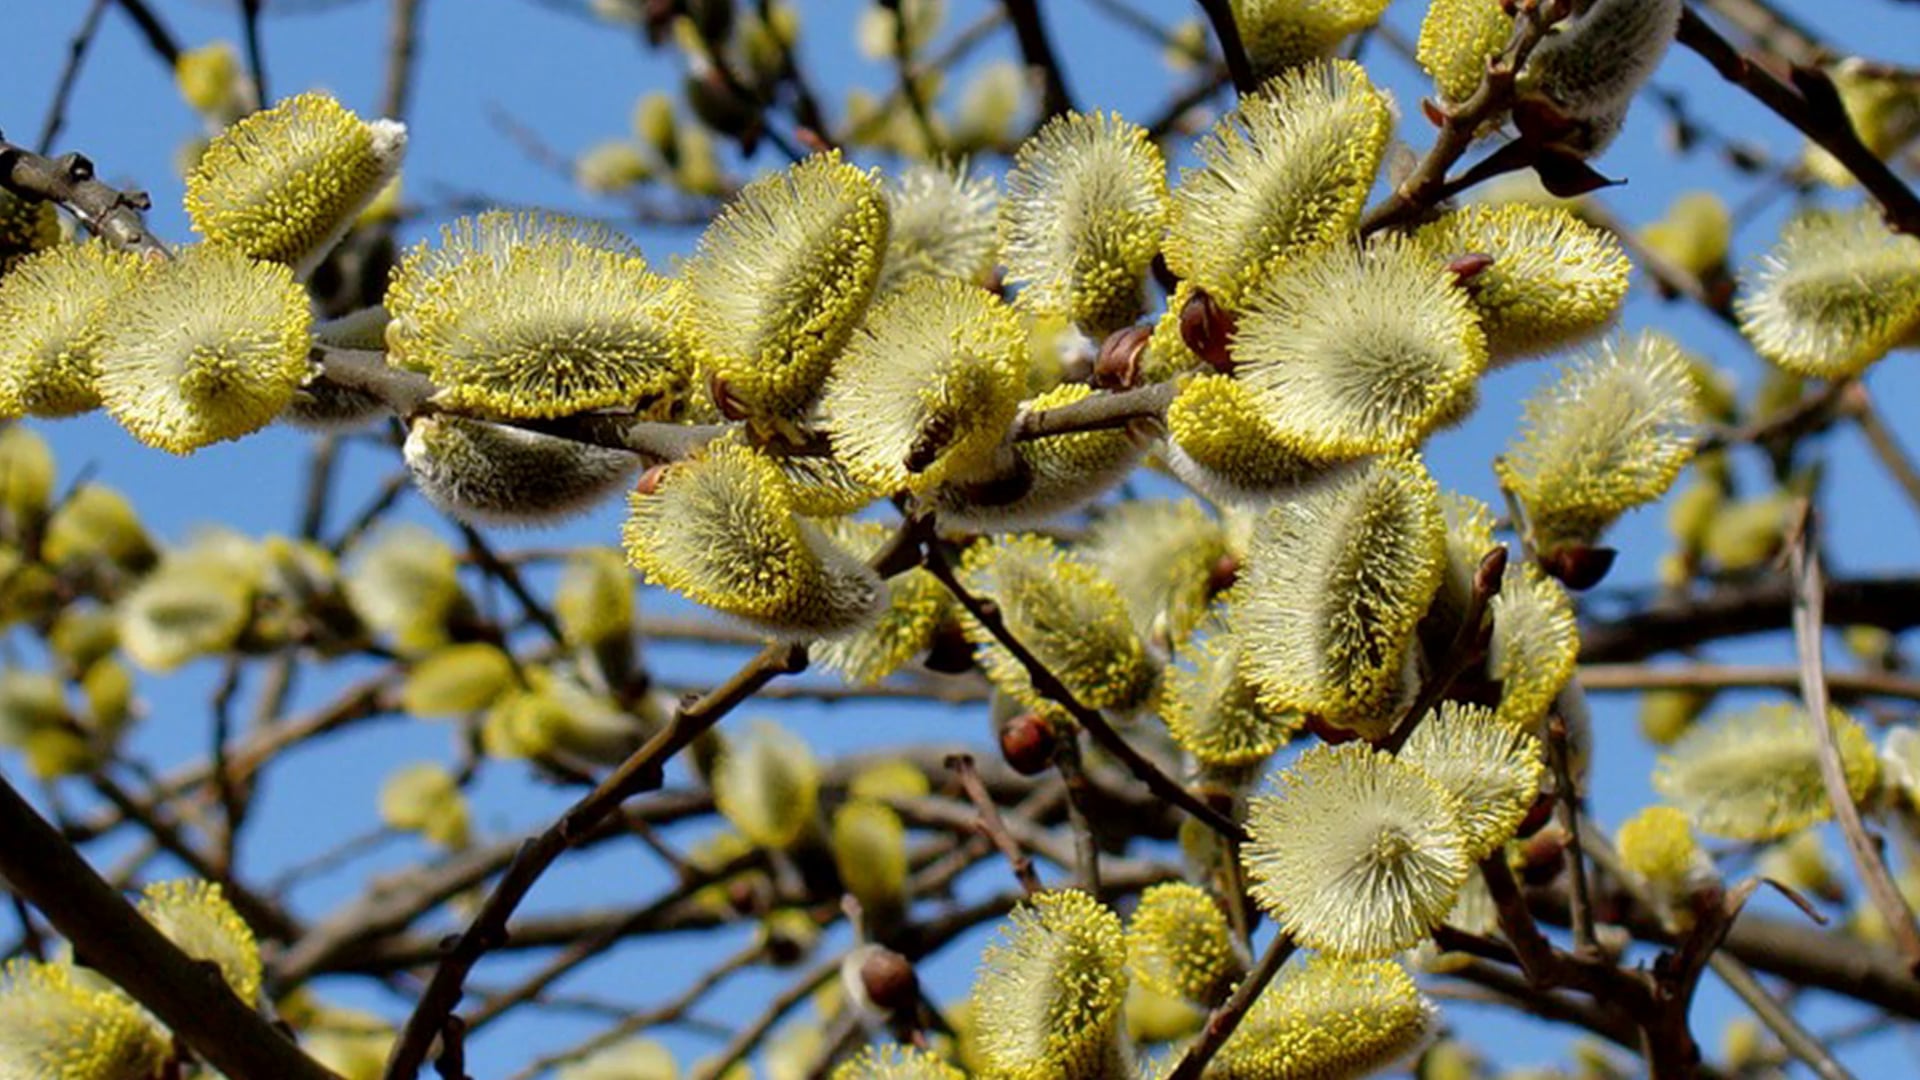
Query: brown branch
x=642 y=771
x=1811 y=104
x=1036 y=50
x=1890 y=603
x=1602 y=678
x=1223 y=1020
x=1808 y=625
x=1227 y=31
x=189 y=996
x=68 y=181
x=1049 y=686
x=991 y=824
x=1427 y=183
x=403 y=29
x=70 y=75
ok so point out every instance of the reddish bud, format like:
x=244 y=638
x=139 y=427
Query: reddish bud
x=1578 y=566
x=1434 y=112
x=1328 y=733
x=1226 y=571
x=890 y=981
x=1465 y=268
x=1118 y=365
x=1208 y=328
x=1543 y=855
x=649 y=481
x=1538 y=815
x=1027 y=742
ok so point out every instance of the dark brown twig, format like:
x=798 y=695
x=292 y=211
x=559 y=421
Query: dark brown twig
x=189 y=996
x=1227 y=31
x=1811 y=104
x=1049 y=686
x=1036 y=49
x=991 y=825
x=70 y=75
x=1222 y=1022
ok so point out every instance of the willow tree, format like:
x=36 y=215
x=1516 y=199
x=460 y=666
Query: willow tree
x=1114 y=433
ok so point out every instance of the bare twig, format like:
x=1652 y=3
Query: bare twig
x=1227 y=31
x=70 y=75
x=189 y=996
x=1222 y=1022
x=1036 y=49
x=1811 y=104
x=1049 y=686
x=1426 y=184
x=68 y=180
x=1883 y=442
x=256 y=60
x=991 y=824
x=1637 y=677
x=159 y=40
x=1808 y=624
x=403 y=28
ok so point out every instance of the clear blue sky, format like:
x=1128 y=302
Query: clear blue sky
x=574 y=81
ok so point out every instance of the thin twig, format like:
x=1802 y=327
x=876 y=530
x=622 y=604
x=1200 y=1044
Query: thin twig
x=1602 y=678
x=1223 y=1020
x=70 y=75
x=642 y=771
x=1883 y=442
x=159 y=40
x=1036 y=49
x=1461 y=123
x=1812 y=105
x=1567 y=806
x=403 y=27
x=783 y=1003
x=1799 y=1042
x=1049 y=686
x=256 y=59
x=1809 y=621
x=1086 y=849
x=992 y=826
x=1227 y=31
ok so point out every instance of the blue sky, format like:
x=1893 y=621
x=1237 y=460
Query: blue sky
x=574 y=81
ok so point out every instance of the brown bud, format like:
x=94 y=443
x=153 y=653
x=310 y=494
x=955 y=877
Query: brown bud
x=1226 y=571
x=649 y=481
x=889 y=979
x=730 y=406
x=1578 y=566
x=1027 y=742
x=1538 y=815
x=815 y=142
x=1208 y=328
x=1330 y=734
x=1118 y=365
x=1466 y=267
x=1435 y=113
x=1543 y=856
